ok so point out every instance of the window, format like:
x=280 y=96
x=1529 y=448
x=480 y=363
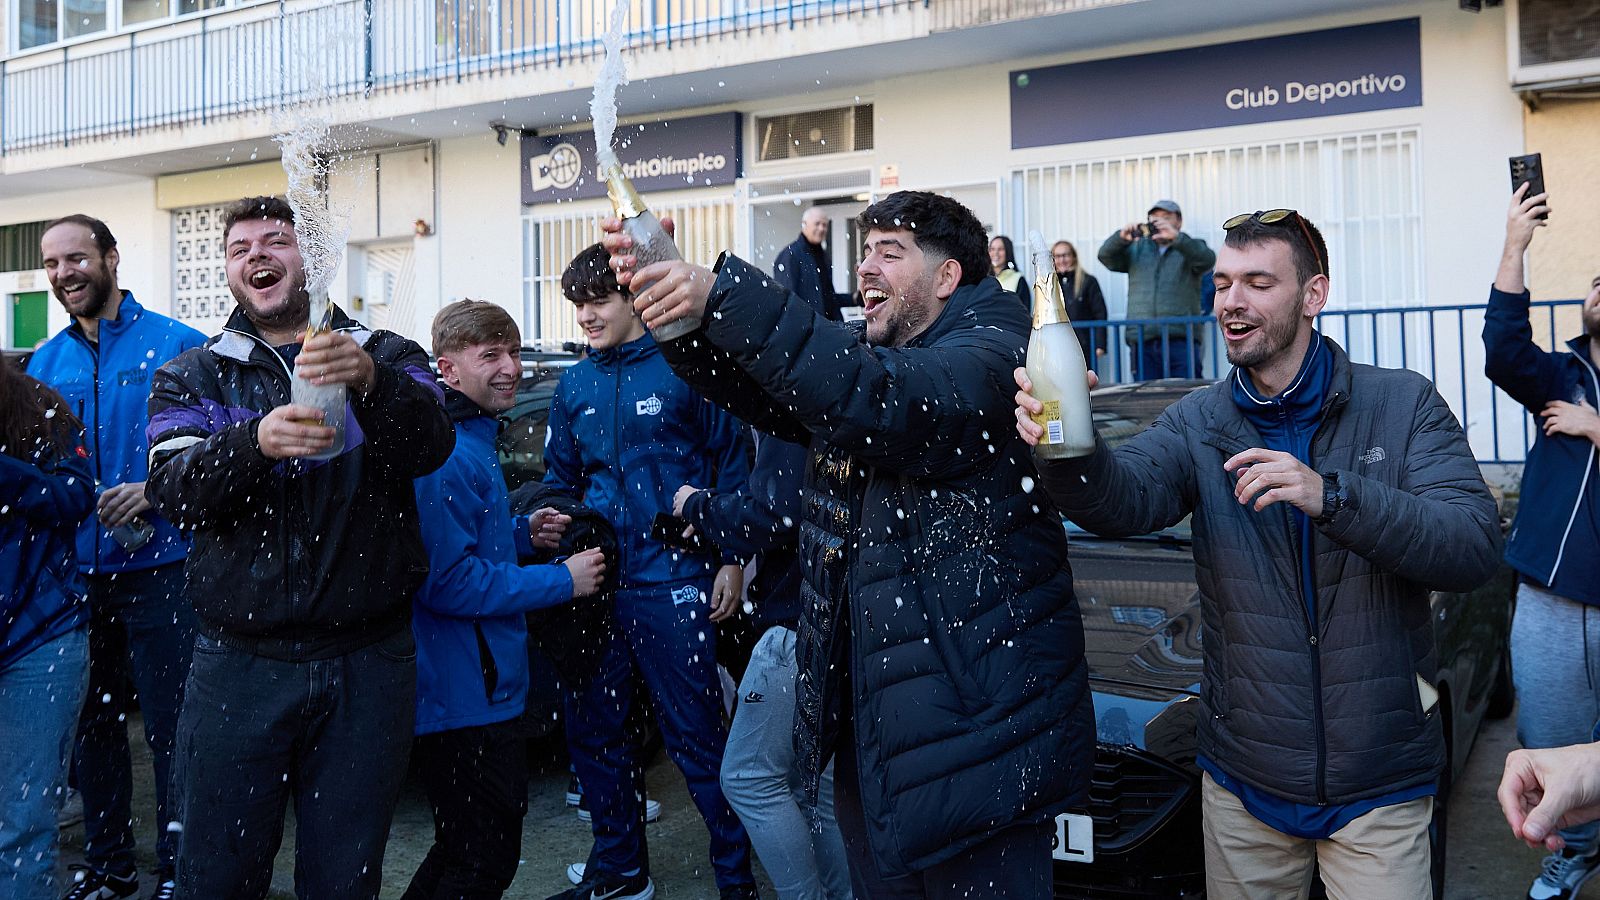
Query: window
x=705 y=229
x=200 y=295
x=19 y=246
x=44 y=22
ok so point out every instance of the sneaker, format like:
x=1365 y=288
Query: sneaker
x=740 y=892
x=574 y=791
x=87 y=884
x=575 y=872
x=167 y=891
x=1564 y=874
x=612 y=887
x=71 y=812
x=652 y=810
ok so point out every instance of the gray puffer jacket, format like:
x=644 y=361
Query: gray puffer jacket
x=1331 y=713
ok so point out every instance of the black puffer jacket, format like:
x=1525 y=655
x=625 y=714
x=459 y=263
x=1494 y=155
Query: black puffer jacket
x=967 y=686
x=1419 y=518
x=296 y=559
x=573 y=635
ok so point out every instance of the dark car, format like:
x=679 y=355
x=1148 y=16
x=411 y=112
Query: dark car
x=1142 y=631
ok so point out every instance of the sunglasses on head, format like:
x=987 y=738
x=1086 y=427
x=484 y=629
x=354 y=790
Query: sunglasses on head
x=1280 y=217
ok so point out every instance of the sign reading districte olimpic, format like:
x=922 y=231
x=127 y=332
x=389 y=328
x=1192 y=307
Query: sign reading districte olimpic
x=1295 y=76
x=699 y=151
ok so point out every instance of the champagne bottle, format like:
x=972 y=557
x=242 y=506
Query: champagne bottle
x=651 y=243
x=330 y=398
x=1056 y=367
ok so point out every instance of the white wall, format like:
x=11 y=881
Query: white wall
x=478 y=237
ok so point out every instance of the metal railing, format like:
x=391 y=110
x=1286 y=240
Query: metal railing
x=257 y=58
x=1444 y=343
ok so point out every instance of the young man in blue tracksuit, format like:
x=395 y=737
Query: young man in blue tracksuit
x=141 y=628
x=472 y=654
x=1555 y=541
x=625 y=433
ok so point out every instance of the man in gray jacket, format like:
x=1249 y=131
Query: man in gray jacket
x=1164 y=266
x=1328 y=499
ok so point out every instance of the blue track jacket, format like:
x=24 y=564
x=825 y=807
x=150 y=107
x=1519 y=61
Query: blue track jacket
x=41 y=502
x=626 y=433
x=472 y=652
x=108 y=387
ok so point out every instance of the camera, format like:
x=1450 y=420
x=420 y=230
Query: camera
x=1148 y=229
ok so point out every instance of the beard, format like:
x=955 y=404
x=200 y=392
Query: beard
x=911 y=314
x=89 y=305
x=1591 y=321
x=1273 y=336
x=294 y=311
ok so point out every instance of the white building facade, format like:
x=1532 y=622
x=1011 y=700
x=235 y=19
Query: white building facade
x=468 y=173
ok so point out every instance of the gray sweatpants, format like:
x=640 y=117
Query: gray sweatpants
x=1555 y=659
x=759 y=781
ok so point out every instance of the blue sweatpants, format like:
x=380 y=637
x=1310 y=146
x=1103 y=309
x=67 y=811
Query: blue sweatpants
x=664 y=637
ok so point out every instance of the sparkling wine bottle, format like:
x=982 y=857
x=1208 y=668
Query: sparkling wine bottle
x=651 y=243
x=1056 y=367
x=330 y=398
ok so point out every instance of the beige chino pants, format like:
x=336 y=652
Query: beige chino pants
x=1383 y=855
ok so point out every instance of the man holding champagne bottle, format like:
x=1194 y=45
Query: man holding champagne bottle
x=1328 y=499
x=940 y=649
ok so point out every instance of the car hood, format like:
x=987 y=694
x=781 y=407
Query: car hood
x=1141 y=615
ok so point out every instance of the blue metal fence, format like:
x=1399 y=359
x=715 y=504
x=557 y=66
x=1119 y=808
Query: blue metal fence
x=1444 y=343
x=259 y=57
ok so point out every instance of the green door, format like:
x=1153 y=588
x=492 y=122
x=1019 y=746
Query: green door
x=29 y=319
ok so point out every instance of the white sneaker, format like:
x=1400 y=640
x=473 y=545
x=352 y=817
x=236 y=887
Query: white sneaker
x=1564 y=875
x=575 y=872
x=652 y=811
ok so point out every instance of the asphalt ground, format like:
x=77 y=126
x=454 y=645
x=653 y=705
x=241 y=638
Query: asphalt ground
x=1485 y=862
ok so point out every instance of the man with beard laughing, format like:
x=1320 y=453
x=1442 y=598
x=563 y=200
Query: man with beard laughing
x=303 y=573
x=1328 y=499
x=1556 y=536
x=141 y=627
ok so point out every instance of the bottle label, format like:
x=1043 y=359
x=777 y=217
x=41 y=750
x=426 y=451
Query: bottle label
x=1050 y=420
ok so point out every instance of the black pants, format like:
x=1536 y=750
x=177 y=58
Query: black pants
x=477 y=783
x=1013 y=864
x=330 y=735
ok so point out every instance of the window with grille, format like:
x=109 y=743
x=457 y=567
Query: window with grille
x=19 y=246
x=817 y=132
x=704 y=229
x=200 y=295
x=1362 y=190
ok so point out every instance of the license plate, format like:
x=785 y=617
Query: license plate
x=1074 y=841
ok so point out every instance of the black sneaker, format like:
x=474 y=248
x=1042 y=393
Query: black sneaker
x=574 y=791
x=611 y=887
x=740 y=892
x=87 y=884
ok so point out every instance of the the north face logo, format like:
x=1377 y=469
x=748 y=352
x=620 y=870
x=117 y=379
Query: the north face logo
x=754 y=697
x=649 y=406
x=1375 y=455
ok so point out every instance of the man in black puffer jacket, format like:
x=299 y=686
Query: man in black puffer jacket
x=302 y=575
x=940 y=647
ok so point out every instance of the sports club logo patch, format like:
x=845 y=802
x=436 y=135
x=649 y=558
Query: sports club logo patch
x=649 y=406
x=686 y=594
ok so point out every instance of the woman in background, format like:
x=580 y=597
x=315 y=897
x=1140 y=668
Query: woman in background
x=1003 y=265
x=46 y=489
x=1085 y=303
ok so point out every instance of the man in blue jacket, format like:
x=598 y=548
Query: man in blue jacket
x=625 y=433
x=472 y=654
x=1556 y=536
x=141 y=628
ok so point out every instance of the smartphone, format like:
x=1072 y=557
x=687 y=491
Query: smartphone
x=668 y=529
x=1528 y=170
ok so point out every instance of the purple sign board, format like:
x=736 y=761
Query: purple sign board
x=1294 y=76
x=656 y=156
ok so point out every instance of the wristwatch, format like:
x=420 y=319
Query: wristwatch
x=1334 y=497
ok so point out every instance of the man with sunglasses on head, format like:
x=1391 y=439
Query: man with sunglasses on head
x=1328 y=500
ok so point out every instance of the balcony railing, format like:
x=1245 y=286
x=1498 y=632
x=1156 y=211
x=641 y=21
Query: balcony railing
x=259 y=58
x=1445 y=343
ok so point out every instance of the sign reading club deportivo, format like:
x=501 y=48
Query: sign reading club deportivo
x=699 y=151
x=1295 y=76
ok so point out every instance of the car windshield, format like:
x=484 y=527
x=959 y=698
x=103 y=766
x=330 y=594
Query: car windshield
x=1122 y=411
